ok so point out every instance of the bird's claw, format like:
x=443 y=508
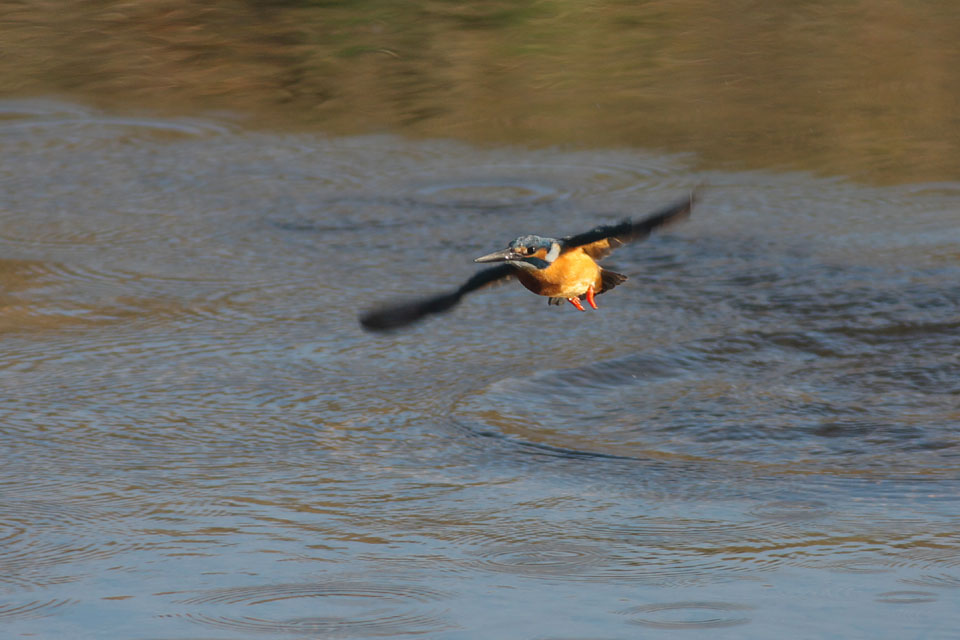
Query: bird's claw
x=589 y=296
x=590 y=300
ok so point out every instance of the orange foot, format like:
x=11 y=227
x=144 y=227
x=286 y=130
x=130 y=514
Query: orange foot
x=576 y=302
x=590 y=300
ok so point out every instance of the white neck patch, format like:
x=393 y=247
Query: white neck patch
x=554 y=252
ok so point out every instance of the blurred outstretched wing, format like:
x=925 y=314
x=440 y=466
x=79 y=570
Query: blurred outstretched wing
x=600 y=241
x=390 y=317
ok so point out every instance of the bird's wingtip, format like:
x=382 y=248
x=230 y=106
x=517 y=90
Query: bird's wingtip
x=397 y=316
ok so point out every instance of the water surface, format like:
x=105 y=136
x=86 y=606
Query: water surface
x=755 y=436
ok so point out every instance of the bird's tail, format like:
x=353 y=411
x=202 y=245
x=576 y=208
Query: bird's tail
x=610 y=279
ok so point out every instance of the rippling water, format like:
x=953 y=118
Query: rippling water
x=755 y=436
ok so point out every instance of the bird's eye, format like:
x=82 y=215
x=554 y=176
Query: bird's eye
x=529 y=251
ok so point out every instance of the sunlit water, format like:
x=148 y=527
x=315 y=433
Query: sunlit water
x=756 y=436
x=865 y=89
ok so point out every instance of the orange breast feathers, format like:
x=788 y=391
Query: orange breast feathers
x=569 y=276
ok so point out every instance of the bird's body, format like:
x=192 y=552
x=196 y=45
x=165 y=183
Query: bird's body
x=569 y=276
x=560 y=269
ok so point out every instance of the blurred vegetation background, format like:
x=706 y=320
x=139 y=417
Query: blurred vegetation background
x=864 y=88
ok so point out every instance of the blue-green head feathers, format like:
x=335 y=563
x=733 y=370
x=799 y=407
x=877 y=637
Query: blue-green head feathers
x=531 y=242
x=534 y=251
x=527 y=252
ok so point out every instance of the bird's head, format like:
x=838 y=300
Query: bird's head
x=526 y=252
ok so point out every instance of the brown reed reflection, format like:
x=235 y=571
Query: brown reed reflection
x=867 y=89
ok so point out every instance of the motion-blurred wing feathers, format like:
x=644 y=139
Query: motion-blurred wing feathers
x=402 y=314
x=600 y=241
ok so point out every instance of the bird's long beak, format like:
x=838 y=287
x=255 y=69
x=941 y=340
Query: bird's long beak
x=499 y=256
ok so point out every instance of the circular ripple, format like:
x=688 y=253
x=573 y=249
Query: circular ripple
x=39 y=535
x=50 y=228
x=31 y=609
x=52 y=554
x=544 y=560
x=783 y=400
x=270 y=593
x=351 y=609
x=487 y=194
x=687 y=551
x=855 y=565
x=66 y=295
x=10 y=531
x=60 y=513
x=14 y=108
x=906 y=597
x=791 y=510
x=10 y=585
x=505 y=183
x=689 y=615
x=644 y=557
x=942 y=580
x=106 y=126
x=83 y=183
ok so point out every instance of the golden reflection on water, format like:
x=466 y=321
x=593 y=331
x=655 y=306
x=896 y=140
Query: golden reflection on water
x=864 y=89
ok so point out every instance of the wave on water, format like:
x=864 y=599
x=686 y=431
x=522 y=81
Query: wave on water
x=331 y=609
x=842 y=401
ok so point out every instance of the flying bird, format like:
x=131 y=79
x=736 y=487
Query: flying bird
x=560 y=269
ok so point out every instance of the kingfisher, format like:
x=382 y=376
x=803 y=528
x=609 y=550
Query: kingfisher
x=558 y=268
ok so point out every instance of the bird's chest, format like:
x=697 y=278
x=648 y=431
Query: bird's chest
x=569 y=276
